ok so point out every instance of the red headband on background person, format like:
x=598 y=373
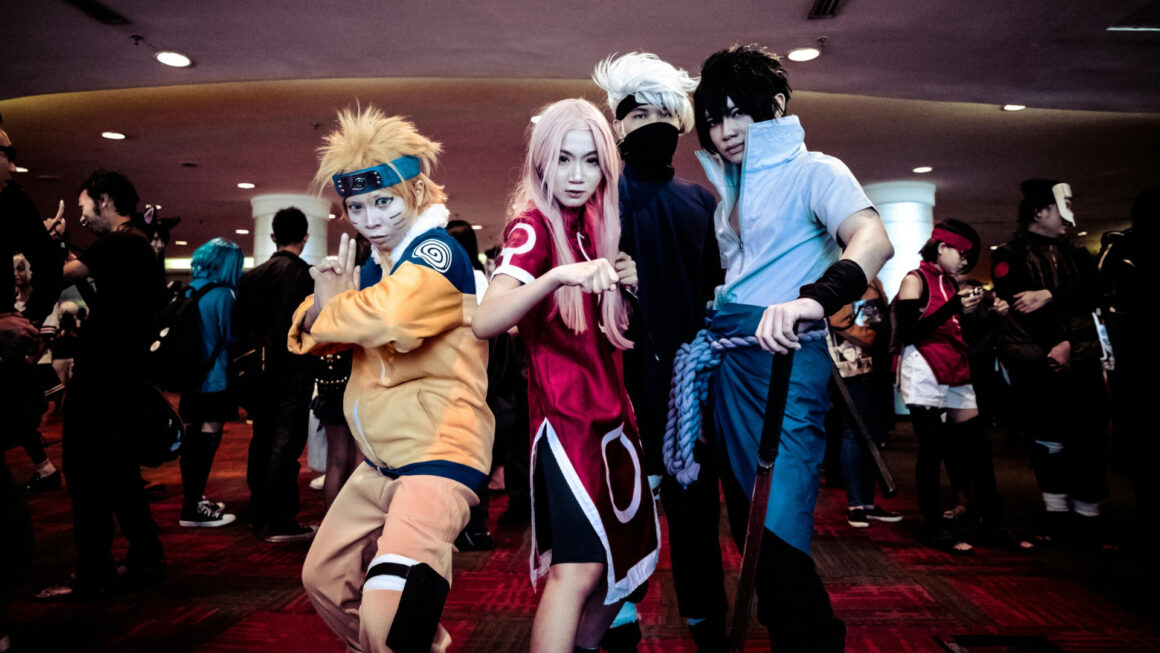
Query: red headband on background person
x=961 y=243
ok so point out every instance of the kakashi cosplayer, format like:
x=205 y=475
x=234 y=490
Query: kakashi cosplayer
x=416 y=396
x=666 y=226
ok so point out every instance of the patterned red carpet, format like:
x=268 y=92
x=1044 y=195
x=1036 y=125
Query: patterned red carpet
x=227 y=591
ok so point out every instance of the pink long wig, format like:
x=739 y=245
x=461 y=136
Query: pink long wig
x=536 y=190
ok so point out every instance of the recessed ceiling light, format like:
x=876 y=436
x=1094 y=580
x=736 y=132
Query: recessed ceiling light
x=994 y=247
x=242 y=232
x=1082 y=233
x=175 y=59
x=245 y=185
x=330 y=216
x=113 y=136
x=1014 y=107
x=922 y=170
x=477 y=227
x=21 y=169
x=181 y=243
x=804 y=54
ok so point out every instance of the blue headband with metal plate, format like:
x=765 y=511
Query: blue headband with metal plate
x=376 y=177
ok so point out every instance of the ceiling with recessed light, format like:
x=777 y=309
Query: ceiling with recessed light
x=899 y=84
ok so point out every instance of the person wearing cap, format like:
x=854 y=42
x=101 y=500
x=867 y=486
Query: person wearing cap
x=1049 y=346
x=667 y=228
x=379 y=570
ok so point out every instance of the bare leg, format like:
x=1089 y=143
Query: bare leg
x=566 y=596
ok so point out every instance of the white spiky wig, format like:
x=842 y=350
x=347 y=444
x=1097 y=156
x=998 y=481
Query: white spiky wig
x=650 y=80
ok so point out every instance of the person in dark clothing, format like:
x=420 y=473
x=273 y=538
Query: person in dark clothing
x=1050 y=348
x=109 y=383
x=667 y=228
x=267 y=297
x=29 y=238
x=1128 y=276
x=18 y=233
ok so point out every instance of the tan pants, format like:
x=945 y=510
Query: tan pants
x=413 y=516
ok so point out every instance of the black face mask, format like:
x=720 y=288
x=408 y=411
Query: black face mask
x=650 y=147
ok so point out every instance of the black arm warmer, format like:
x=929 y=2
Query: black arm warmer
x=913 y=329
x=843 y=283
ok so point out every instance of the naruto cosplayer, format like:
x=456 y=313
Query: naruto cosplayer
x=379 y=569
x=559 y=277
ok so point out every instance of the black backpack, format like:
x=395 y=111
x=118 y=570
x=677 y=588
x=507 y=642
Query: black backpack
x=175 y=361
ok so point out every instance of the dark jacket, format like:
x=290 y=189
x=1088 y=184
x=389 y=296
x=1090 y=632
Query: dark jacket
x=1033 y=262
x=666 y=226
x=267 y=298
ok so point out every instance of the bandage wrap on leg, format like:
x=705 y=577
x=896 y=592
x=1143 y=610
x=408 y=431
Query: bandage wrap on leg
x=424 y=592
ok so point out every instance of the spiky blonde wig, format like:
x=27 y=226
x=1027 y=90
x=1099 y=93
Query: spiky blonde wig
x=368 y=137
x=650 y=80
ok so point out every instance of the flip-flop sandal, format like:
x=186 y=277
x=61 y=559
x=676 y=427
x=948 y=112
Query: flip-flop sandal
x=1003 y=538
x=955 y=513
x=947 y=543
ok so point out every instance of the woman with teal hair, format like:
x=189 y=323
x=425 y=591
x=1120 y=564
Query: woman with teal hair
x=217 y=266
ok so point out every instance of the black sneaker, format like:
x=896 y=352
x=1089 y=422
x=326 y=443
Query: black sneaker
x=474 y=540
x=296 y=533
x=879 y=513
x=216 y=505
x=207 y=515
x=40 y=483
x=856 y=517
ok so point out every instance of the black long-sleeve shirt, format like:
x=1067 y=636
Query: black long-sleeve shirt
x=267 y=298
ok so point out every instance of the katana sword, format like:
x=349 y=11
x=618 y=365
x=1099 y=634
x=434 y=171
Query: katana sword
x=754 y=531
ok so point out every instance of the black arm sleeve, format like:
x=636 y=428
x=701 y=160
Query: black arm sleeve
x=913 y=329
x=842 y=283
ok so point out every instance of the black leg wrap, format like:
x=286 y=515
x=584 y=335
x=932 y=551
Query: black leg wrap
x=417 y=619
x=1051 y=469
x=622 y=639
x=792 y=602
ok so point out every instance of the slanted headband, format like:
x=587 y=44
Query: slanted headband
x=376 y=177
x=961 y=243
x=626 y=106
